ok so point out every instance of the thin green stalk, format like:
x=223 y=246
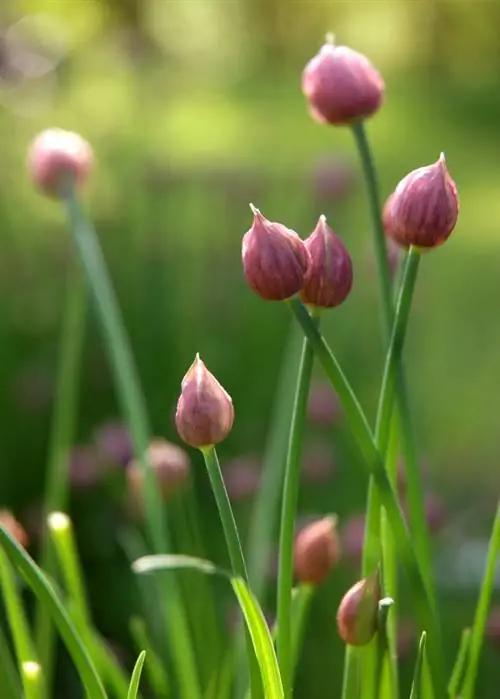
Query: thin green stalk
x=134 y=408
x=9 y=677
x=62 y=436
x=351 y=679
x=23 y=643
x=382 y=649
x=482 y=609
x=154 y=669
x=459 y=666
x=288 y=515
x=234 y=547
x=416 y=687
x=375 y=466
x=301 y=604
x=32 y=678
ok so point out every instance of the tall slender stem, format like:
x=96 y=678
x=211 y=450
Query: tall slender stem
x=62 y=435
x=234 y=548
x=134 y=408
x=288 y=514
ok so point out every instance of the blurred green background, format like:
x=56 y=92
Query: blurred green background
x=194 y=109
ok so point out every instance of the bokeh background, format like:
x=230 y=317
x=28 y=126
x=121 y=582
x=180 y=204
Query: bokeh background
x=194 y=109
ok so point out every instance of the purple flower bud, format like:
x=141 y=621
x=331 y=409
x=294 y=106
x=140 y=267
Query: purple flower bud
x=85 y=470
x=275 y=259
x=330 y=273
x=317 y=465
x=341 y=86
x=423 y=209
x=353 y=536
x=114 y=443
x=357 y=616
x=205 y=412
x=242 y=477
x=56 y=157
x=323 y=408
x=13 y=527
x=316 y=551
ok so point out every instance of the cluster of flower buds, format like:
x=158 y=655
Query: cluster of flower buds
x=357 y=616
x=278 y=265
x=317 y=550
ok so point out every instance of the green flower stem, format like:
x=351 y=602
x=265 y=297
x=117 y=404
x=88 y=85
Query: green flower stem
x=23 y=643
x=351 y=680
x=9 y=676
x=288 y=515
x=134 y=408
x=481 y=615
x=62 y=434
x=375 y=466
x=460 y=662
x=32 y=678
x=234 y=547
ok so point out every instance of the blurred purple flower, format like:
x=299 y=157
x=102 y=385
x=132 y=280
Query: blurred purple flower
x=85 y=469
x=395 y=255
x=318 y=463
x=114 y=443
x=242 y=477
x=352 y=536
x=402 y=478
x=332 y=178
x=323 y=407
x=434 y=512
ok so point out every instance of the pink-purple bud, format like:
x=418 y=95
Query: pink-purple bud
x=242 y=477
x=205 y=412
x=353 y=537
x=13 y=527
x=330 y=273
x=423 y=209
x=357 y=616
x=341 y=86
x=275 y=259
x=170 y=465
x=323 y=408
x=317 y=550
x=57 y=158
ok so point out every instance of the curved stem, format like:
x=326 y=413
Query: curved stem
x=288 y=514
x=134 y=408
x=234 y=548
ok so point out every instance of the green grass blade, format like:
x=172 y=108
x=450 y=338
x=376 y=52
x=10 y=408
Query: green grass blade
x=460 y=664
x=136 y=676
x=155 y=669
x=483 y=604
x=301 y=603
x=416 y=686
x=46 y=595
x=9 y=676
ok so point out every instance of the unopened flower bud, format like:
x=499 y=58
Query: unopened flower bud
x=13 y=527
x=275 y=259
x=330 y=274
x=423 y=209
x=357 y=616
x=205 y=412
x=57 y=158
x=316 y=551
x=341 y=86
x=170 y=465
x=242 y=477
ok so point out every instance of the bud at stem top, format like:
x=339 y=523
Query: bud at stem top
x=316 y=551
x=330 y=274
x=423 y=209
x=341 y=86
x=57 y=158
x=205 y=412
x=357 y=616
x=275 y=259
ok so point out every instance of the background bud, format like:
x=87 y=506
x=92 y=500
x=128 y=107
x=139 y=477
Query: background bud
x=423 y=209
x=170 y=464
x=330 y=273
x=205 y=412
x=341 y=86
x=358 y=612
x=56 y=157
x=275 y=259
x=13 y=527
x=316 y=551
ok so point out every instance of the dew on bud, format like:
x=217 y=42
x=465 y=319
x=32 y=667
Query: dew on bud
x=357 y=616
x=275 y=259
x=329 y=280
x=205 y=413
x=341 y=86
x=423 y=209
x=316 y=551
x=57 y=158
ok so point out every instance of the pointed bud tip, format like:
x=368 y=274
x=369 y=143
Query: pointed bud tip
x=330 y=39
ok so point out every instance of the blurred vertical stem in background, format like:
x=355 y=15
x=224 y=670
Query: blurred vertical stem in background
x=9 y=677
x=134 y=408
x=288 y=515
x=64 y=422
x=415 y=496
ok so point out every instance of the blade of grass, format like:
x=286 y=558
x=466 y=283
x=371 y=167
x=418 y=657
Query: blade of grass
x=154 y=668
x=416 y=686
x=233 y=544
x=382 y=649
x=375 y=466
x=136 y=676
x=288 y=515
x=301 y=603
x=62 y=436
x=46 y=595
x=134 y=408
x=460 y=665
x=352 y=679
x=31 y=673
x=481 y=615
x=9 y=676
